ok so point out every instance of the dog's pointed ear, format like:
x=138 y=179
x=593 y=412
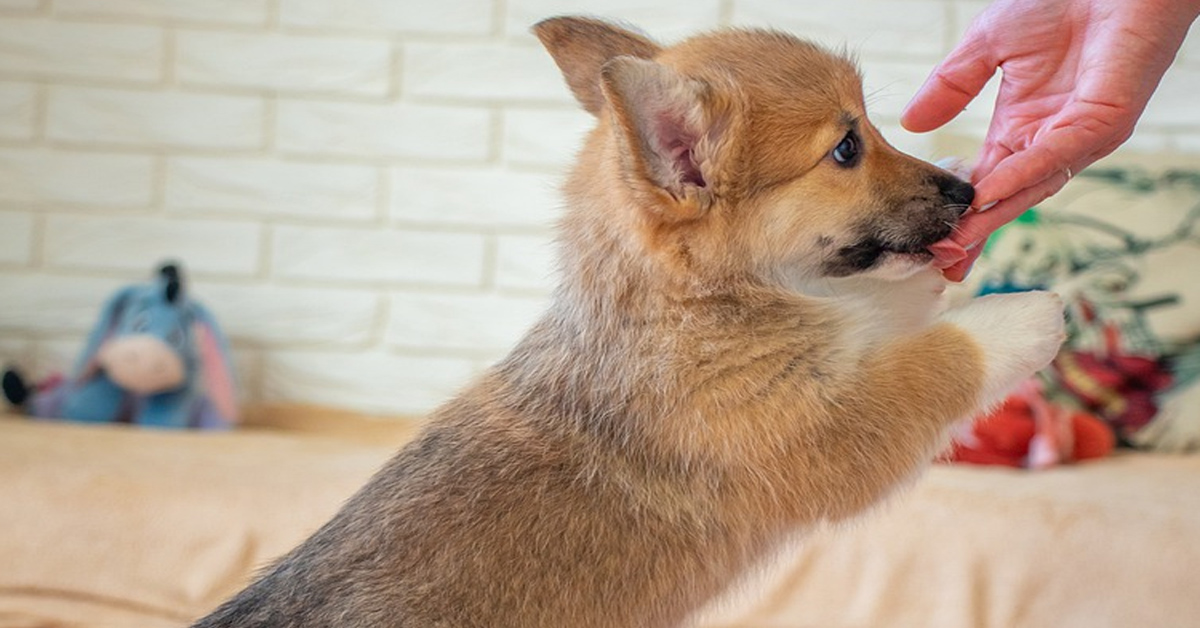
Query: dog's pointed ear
x=668 y=125
x=581 y=46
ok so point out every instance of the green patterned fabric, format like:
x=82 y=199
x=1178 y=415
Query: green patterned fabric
x=1122 y=246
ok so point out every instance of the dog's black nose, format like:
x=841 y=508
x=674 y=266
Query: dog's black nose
x=957 y=192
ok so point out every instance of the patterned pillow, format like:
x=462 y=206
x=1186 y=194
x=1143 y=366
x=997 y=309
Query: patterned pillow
x=1121 y=244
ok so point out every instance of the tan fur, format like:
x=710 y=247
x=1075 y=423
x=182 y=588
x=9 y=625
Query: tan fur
x=702 y=387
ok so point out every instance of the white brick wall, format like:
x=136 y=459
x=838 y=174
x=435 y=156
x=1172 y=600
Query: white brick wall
x=125 y=242
x=18 y=104
x=384 y=131
x=87 y=115
x=60 y=50
x=20 y=5
x=52 y=178
x=667 y=20
x=482 y=72
x=378 y=380
x=266 y=186
x=524 y=262
x=283 y=63
x=16 y=239
x=39 y=302
x=213 y=11
x=909 y=28
x=378 y=256
x=446 y=17
x=362 y=190
x=481 y=323
x=543 y=137
x=285 y=316
x=474 y=196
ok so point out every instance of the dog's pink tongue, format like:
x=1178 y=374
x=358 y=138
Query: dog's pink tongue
x=947 y=253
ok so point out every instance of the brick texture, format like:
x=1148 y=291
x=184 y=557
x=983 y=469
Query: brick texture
x=378 y=256
x=474 y=196
x=16 y=238
x=363 y=192
x=136 y=244
x=148 y=118
x=232 y=12
x=18 y=104
x=487 y=323
x=383 y=131
x=283 y=62
x=257 y=186
x=66 y=50
x=667 y=20
x=457 y=17
x=42 y=176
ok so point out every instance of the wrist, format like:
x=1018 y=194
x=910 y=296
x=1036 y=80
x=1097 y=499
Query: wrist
x=1185 y=10
x=1163 y=24
x=1173 y=13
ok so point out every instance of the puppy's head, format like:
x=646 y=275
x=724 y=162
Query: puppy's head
x=748 y=152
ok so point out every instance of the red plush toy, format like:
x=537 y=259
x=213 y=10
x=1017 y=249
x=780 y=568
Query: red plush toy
x=1028 y=431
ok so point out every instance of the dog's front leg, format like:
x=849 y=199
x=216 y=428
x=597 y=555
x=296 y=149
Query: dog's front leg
x=914 y=388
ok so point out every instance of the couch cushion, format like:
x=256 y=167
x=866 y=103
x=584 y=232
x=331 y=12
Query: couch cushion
x=160 y=524
x=112 y=526
x=1105 y=543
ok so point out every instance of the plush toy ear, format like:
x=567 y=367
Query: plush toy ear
x=581 y=46
x=110 y=319
x=669 y=132
x=216 y=365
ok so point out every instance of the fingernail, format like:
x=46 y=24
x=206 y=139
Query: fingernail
x=972 y=246
x=988 y=206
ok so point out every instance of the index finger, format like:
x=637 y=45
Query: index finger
x=950 y=87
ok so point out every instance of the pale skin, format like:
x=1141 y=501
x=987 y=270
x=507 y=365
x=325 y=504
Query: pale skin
x=1076 y=76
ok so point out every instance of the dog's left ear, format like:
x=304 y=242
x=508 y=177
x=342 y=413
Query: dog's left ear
x=668 y=124
x=664 y=119
x=580 y=46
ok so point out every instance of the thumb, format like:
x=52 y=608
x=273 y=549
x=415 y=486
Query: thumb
x=953 y=84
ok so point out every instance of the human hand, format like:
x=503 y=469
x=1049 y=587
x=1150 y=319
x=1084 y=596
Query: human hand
x=1077 y=75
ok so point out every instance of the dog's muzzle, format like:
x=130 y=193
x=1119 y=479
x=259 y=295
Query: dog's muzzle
x=909 y=229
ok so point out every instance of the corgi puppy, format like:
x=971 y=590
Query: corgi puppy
x=747 y=340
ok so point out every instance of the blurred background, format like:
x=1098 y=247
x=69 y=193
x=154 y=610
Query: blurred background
x=362 y=191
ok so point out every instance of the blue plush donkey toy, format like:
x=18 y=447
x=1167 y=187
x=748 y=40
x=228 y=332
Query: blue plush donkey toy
x=155 y=358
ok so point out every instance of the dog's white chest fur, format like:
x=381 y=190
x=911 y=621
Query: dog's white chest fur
x=879 y=310
x=1017 y=333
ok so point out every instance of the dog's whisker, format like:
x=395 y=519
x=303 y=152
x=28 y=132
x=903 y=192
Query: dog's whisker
x=880 y=93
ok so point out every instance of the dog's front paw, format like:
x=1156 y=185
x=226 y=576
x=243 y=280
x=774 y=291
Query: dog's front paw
x=1019 y=334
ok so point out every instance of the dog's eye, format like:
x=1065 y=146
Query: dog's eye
x=847 y=151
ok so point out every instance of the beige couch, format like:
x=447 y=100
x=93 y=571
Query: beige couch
x=111 y=526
